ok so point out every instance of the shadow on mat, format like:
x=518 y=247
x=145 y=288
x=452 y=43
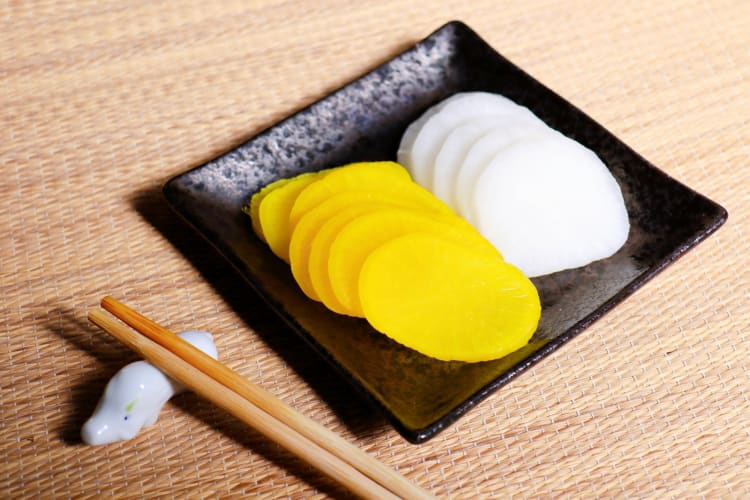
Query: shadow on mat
x=354 y=411
x=112 y=356
x=84 y=336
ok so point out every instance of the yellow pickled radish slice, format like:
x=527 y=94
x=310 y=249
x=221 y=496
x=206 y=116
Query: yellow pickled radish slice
x=253 y=208
x=309 y=225
x=319 y=256
x=447 y=301
x=273 y=213
x=363 y=234
x=407 y=198
x=311 y=221
x=385 y=177
x=363 y=166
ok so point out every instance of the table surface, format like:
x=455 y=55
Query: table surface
x=102 y=102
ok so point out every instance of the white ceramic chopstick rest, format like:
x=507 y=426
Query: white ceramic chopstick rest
x=135 y=395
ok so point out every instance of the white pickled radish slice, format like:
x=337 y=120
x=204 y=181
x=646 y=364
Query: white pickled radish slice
x=412 y=131
x=422 y=140
x=452 y=153
x=507 y=131
x=550 y=204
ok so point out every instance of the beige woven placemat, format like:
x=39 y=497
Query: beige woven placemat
x=101 y=102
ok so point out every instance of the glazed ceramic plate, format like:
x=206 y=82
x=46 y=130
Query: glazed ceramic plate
x=364 y=121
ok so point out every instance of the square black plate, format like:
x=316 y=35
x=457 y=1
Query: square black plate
x=364 y=121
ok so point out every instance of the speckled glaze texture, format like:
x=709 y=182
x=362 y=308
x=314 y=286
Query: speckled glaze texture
x=364 y=121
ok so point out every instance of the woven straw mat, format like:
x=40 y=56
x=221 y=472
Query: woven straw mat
x=102 y=102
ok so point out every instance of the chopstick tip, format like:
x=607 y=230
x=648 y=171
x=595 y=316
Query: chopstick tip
x=107 y=299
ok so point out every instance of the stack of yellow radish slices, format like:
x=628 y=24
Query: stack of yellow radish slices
x=367 y=241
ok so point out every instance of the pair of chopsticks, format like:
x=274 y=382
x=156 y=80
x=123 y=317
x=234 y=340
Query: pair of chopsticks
x=321 y=448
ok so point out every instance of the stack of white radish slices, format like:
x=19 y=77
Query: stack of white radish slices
x=545 y=201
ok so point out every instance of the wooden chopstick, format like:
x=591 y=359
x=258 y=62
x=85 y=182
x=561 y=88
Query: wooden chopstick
x=337 y=451
x=205 y=386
